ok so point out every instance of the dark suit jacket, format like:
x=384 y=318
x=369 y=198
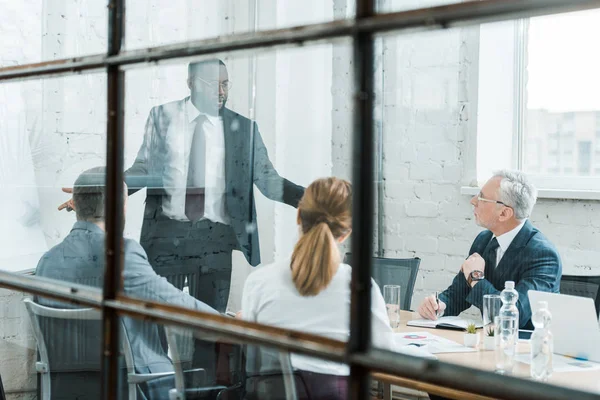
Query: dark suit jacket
x=531 y=261
x=246 y=164
x=79 y=258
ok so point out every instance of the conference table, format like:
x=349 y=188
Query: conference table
x=483 y=360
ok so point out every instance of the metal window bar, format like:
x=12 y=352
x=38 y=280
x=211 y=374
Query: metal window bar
x=115 y=143
x=362 y=201
x=359 y=356
x=434 y=18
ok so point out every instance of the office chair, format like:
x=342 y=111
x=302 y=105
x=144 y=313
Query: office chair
x=395 y=271
x=44 y=366
x=582 y=286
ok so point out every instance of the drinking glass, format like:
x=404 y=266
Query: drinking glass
x=391 y=295
x=491 y=308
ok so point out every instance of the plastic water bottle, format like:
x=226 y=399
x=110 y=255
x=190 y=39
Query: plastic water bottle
x=509 y=297
x=507 y=328
x=541 y=343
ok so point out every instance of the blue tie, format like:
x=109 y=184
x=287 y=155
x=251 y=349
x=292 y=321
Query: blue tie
x=489 y=255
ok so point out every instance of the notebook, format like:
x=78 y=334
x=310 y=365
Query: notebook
x=456 y=323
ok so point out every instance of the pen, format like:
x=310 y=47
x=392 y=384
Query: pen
x=437 y=302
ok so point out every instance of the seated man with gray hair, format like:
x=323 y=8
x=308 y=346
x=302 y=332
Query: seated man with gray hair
x=510 y=249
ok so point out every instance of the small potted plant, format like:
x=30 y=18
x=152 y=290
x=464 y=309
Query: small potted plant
x=471 y=336
x=489 y=340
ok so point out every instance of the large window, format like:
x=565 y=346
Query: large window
x=152 y=159
x=542 y=114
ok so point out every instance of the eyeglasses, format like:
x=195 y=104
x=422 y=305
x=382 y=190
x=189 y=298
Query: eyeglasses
x=479 y=198
x=225 y=85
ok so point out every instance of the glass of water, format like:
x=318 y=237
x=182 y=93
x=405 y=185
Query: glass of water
x=391 y=295
x=491 y=308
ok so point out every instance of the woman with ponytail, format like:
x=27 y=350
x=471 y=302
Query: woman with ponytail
x=310 y=291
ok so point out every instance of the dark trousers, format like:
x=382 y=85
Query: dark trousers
x=193 y=254
x=199 y=251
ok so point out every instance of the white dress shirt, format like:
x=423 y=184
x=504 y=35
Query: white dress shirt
x=179 y=147
x=505 y=240
x=271 y=298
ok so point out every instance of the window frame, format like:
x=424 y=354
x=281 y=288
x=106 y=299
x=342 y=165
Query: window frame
x=363 y=359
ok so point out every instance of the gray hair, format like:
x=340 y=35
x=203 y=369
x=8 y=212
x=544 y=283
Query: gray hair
x=517 y=192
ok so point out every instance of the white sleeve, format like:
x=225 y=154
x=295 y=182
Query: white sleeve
x=250 y=299
x=382 y=333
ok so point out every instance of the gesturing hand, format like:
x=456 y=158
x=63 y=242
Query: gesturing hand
x=69 y=205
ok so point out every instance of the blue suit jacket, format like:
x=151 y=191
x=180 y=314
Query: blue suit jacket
x=531 y=261
x=79 y=258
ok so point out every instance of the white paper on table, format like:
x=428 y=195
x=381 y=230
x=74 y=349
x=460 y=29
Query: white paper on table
x=562 y=363
x=432 y=343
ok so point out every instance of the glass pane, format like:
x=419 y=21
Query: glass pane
x=43 y=30
x=562 y=121
x=270 y=123
x=50 y=349
x=51 y=131
x=161 y=22
x=448 y=122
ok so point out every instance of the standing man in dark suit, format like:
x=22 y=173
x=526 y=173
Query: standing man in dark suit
x=510 y=249
x=199 y=162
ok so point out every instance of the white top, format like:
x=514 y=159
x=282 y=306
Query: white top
x=271 y=298
x=505 y=240
x=214 y=206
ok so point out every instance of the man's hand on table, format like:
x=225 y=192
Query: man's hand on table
x=429 y=308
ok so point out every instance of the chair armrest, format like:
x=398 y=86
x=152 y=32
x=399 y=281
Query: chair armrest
x=194 y=377
x=141 y=378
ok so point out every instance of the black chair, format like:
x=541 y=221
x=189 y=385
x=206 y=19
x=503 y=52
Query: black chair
x=182 y=277
x=582 y=286
x=395 y=271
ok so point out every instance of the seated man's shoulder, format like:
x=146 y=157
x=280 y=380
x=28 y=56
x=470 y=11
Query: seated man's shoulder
x=539 y=241
x=133 y=249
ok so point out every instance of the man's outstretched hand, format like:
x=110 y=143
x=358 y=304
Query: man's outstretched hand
x=69 y=205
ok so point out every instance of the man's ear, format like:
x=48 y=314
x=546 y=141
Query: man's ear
x=506 y=214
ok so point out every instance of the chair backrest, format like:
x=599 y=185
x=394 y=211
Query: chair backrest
x=582 y=286
x=181 y=343
x=182 y=276
x=36 y=311
x=395 y=271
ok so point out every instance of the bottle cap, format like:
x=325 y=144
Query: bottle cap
x=509 y=285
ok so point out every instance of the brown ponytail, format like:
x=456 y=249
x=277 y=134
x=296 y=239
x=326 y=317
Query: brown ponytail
x=325 y=214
